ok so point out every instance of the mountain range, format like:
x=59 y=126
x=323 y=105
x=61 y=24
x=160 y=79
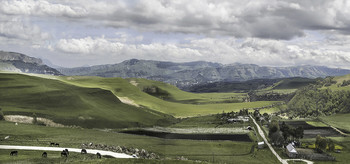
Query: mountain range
x=182 y=75
x=188 y=74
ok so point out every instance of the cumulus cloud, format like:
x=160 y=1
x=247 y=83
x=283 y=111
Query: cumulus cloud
x=107 y=47
x=15 y=30
x=276 y=19
x=223 y=50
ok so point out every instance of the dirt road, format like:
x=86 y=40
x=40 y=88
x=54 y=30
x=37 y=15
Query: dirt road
x=90 y=151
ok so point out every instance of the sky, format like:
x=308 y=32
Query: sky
x=264 y=32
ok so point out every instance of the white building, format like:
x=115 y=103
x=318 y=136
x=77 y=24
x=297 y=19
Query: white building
x=291 y=151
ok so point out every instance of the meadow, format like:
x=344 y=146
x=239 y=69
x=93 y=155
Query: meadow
x=206 y=151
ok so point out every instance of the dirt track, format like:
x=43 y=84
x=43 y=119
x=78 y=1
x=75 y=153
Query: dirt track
x=90 y=151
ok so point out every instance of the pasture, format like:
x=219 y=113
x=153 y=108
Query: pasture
x=122 y=88
x=206 y=151
x=71 y=105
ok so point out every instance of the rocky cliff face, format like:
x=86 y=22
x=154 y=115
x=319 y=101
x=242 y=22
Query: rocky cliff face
x=16 y=62
x=186 y=74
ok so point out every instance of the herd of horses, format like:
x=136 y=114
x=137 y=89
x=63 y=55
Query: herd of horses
x=64 y=153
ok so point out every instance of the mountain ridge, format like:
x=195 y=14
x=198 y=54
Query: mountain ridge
x=17 y=62
x=199 y=72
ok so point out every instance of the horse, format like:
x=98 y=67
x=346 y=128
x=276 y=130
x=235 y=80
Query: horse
x=52 y=144
x=14 y=153
x=57 y=144
x=83 y=151
x=98 y=155
x=64 y=153
x=44 y=154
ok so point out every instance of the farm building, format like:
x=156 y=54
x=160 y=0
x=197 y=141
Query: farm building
x=291 y=151
x=261 y=145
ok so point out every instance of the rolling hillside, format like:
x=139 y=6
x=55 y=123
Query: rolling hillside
x=124 y=89
x=71 y=105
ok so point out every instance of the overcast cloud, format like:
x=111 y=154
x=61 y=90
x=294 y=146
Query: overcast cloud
x=263 y=32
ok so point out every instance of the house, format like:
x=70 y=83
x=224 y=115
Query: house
x=291 y=151
x=261 y=145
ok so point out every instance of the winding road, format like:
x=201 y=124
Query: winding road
x=90 y=151
x=284 y=161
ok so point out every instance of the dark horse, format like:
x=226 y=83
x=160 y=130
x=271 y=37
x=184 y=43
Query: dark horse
x=98 y=155
x=14 y=153
x=44 y=154
x=64 y=153
x=52 y=144
x=57 y=144
x=83 y=151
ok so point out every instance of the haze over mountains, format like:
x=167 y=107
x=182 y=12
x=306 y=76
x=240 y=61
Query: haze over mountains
x=191 y=73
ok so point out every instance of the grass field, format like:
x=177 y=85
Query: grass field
x=122 y=88
x=316 y=123
x=71 y=105
x=178 y=95
x=340 y=121
x=221 y=151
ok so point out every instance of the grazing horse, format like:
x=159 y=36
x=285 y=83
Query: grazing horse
x=57 y=144
x=44 y=154
x=14 y=153
x=52 y=144
x=98 y=155
x=64 y=153
x=83 y=151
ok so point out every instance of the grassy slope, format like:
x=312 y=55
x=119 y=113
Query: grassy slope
x=122 y=87
x=338 y=120
x=182 y=96
x=224 y=151
x=339 y=80
x=68 y=104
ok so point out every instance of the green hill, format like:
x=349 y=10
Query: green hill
x=71 y=105
x=171 y=93
x=123 y=88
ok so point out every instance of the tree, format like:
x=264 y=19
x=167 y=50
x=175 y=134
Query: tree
x=285 y=130
x=1 y=115
x=331 y=145
x=273 y=127
x=276 y=138
x=321 y=143
x=299 y=132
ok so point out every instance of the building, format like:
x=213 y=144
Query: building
x=261 y=145
x=291 y=151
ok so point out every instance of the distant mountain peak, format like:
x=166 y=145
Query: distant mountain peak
x=16 y=62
